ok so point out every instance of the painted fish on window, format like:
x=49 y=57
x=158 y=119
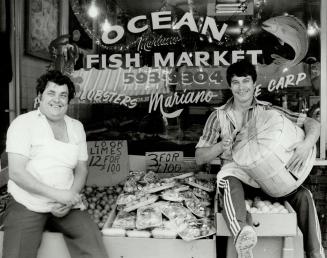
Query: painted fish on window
x=290 y=30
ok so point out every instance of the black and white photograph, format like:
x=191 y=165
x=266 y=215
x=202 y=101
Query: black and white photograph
x=163 y=129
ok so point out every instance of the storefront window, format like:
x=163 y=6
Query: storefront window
x=151 y=75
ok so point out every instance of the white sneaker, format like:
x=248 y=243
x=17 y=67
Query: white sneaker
x=245 y=242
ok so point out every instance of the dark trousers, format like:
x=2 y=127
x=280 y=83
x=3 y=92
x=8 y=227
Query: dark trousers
x=236 y=216
x=23 y=233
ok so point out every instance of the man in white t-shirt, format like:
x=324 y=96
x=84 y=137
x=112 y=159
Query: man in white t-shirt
x=47 y=155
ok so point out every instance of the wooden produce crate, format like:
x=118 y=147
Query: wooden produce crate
x=266 y=224
x=129 y=247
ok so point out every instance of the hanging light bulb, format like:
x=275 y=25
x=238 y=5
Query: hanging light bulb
x=93 y=10
x=240 y=39
x=240 y=23
x=106 y=25
x=312 y=29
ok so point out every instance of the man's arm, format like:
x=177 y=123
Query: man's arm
x=80 y=175
x=312 y=131
x=18 y=173
x=302 y=149
x=206 y=154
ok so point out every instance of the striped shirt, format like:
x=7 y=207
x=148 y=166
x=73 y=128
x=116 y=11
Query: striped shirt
x=221 y=121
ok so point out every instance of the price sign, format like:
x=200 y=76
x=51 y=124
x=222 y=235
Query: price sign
x=164 y=161
x=108 y=162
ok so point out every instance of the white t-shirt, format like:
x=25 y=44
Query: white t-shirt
x=51 y=162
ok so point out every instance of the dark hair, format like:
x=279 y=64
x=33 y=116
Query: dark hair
x=241 y=68
x=58 y=78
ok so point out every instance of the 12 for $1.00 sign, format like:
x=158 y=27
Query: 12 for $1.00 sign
x=108 y=162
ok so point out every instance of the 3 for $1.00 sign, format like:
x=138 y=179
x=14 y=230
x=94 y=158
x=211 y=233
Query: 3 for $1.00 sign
x=107 y=163
x=164 y=161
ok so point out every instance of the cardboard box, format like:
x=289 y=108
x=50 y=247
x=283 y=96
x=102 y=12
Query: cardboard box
x=266 y=224
x=129 y=247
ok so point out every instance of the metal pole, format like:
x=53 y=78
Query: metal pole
x=323 y=89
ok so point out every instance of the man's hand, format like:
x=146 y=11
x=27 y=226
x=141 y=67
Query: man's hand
x=301 y=152
x=227 y=142
x=68 y=197
x=60 y=210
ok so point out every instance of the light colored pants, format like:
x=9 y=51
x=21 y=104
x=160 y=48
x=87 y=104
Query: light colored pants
x=236 y=216
x=23 y=232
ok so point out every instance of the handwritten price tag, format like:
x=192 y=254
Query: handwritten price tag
x=108 y=162
x=164 y=162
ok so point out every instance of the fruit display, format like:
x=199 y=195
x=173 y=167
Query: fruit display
x=264 y=206
x=99 y=201
x=163 y=207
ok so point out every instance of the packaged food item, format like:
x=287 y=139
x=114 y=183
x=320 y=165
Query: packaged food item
x=132 y=186
x=138 y=233
x=205 y=202
x=116 y=232
x=150 y=177
x=180 y=187
x=188 y=195
x=136 y=175
x=196 y=207
x=125 y=220
x=177 y=214
x=172 y=195
x=182 y=176
x=202 y=184
x=157 y=187
x=148 y=217
x=201 y=193
x=197 y=228
x=166 y=230
x=142 y=201
x=125 y=198
x=163 y=233
x=161 y=205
